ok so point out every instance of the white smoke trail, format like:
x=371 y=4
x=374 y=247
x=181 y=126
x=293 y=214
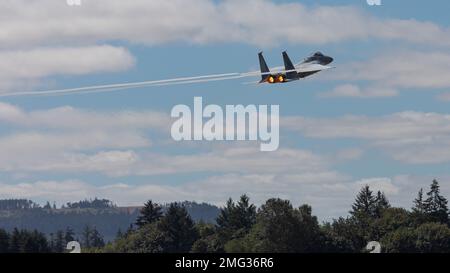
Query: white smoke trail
x=111 y=87
x=121 y=86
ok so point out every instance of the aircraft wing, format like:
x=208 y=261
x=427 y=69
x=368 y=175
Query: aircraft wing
x=302 y=68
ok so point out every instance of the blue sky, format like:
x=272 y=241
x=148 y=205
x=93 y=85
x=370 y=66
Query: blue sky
x=380 y=118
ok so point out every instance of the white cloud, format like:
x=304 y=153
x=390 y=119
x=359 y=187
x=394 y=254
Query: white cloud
x=75 y=140
x=354 y=91
x=388 y=72
x=66 y=139
x=382 y=184
x=231 y=159
x=63 y=152
x=70 y=118
x=30 y=66
x=257 y=22
x=26 y=155
x=53 y=190
x=348 y=154
x=410 y=137
x=42 y=62
x=402 y=125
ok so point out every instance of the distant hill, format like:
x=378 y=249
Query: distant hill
x=102 y=214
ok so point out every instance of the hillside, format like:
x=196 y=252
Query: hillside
x=108 y=219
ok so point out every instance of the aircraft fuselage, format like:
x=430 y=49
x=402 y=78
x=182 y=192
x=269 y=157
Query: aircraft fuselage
x=310 y=65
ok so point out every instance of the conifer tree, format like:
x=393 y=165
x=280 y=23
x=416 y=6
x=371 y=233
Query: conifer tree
x=4 y=241
x=436 y=205
x=365 y=204
x=419 y=206
x=86 y=236
x=60 y=243
x=96 y=239
x=381 y=204
x=69 y=235
x=150 y=213
x=178 y=229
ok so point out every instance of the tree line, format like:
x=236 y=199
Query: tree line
x=24 y=241
x=24 y=204
x=17 y=204
x=278 y=226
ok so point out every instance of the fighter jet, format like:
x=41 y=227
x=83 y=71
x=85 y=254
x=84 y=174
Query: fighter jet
x=313 y=64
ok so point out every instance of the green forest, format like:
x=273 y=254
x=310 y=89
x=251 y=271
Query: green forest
x=276 y=227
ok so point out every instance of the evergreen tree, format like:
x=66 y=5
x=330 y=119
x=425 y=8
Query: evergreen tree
x=381 y=204
x=150 y=213
x=69 y=235
x=91 y=237
x=4 y=241
x=52 y=241
x=47 y=205
x=178 y=229
x=22 y=241
x=59 y=244
x=419 y=205
x=15 y=242
x=34 y=242
x=86 y=236
x=96 y=239
x=419 y=214
x=119 y=234
x=365 y=211
x=436 y=205
x=280 y=228
x=224 y=221
x=235 y=220
x=365 y=204
x=246 y=213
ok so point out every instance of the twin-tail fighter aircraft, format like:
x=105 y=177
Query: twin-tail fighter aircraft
x=313 y=64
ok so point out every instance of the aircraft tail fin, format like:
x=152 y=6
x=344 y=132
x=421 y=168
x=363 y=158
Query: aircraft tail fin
x=264 y=68
x=289 y=66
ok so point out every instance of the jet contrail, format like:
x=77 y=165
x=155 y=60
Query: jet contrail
x=113 y=87
x=121 y=86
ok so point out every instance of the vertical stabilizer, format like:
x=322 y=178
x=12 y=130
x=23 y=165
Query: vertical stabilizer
x=288 y=66
x=264 y=68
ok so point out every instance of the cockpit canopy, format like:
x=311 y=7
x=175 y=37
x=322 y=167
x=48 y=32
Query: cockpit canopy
x=314 y=57
x=318 y=54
